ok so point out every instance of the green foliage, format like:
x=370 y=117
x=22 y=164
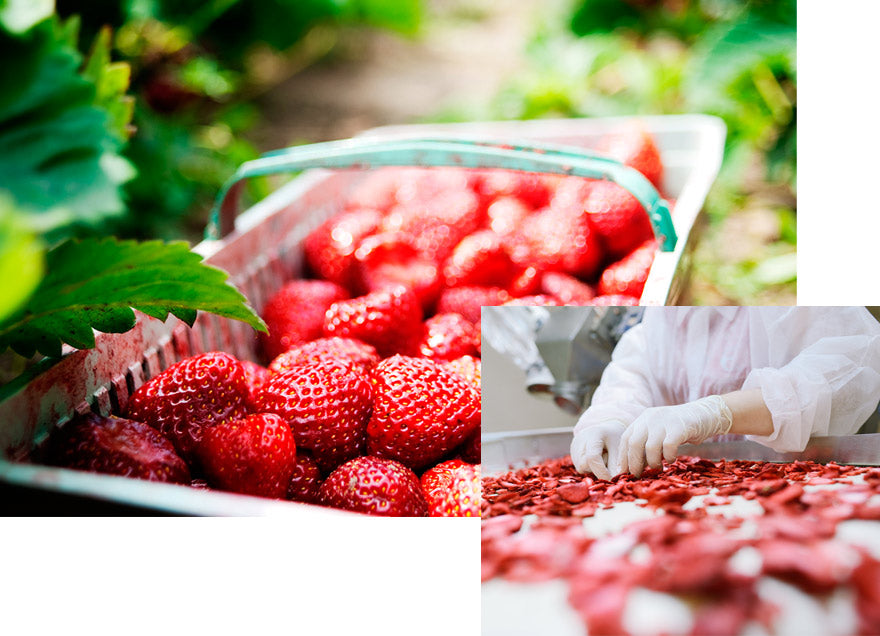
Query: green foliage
x=21 y=258
x=94 y=283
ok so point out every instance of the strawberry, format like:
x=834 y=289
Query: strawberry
x=635 y=147
x=538 y=300
x=526 y=281
x=479 y=259
x=468 y=300
x=452 y=489
x=448 y=336
x=557 y=239
x=421 y=185
x=349 y=349
x=116 y=446
x=628 y=275
x=255 y=375
x=374 y=486
x=421 y=411
x=570 y=194
x=305 y=480
x=389 y=319
x=614 y=300
x=504 y=215
x=295 y=314
x=189 y=397
x=618 y=218
x=378 y=189
x=329 y=250
x=468 y=367
x=388 y=260
x=530 y=188
x=253 y=456
x=470 y=450
x=568 y=289
x=327 y=405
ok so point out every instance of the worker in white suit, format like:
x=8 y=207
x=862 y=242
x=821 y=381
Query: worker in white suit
x=778 y=375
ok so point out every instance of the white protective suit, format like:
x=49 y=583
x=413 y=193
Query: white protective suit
x=818 y=368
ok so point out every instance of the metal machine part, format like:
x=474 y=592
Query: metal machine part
x=563 y=350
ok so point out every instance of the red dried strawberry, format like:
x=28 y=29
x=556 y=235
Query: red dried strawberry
x=116 y=446
x=448 y=336
x=190 y=396
x=252 y=456
x=329 y=250
x=470 y=451
x=390 y=320
x=295 y=314
x=334 y=348
x=255 y=375
x=421 y=411
x=635 y=147
x=326 y=403
x=479 y=259
x=568 y=289
x=305 y=480
x=558 y=239
x=468 y=367
x=374 y=486
x=614 y=300
x=628 y=275
x=452 y=489
x=388 y=260
x=468 y=300
x=618 y=218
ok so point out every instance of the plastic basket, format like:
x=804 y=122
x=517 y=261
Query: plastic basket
x=264 y=250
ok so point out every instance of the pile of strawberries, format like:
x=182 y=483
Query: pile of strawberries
x=687 y=551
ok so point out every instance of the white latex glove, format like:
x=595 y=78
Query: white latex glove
x=591 y=442
x=657 y=433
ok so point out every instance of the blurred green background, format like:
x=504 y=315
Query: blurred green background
x=124 y=117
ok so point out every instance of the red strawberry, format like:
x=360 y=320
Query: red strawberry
x=506 y=214
x=421 y=411
x=326 y=403
x=452 y=489
x=390 y=320
x=479 y=259
x=539 y=300
x=558 y=239
x=256 y=376
x=526 y=282
x=628 y=275
x=448 y=336
x=334 y=348
x=191 y=396
x=618 y=218
x=528 y=187
x=374 y=486
x=635 y=147
x=252 y=456
x=470 y=450
x=614 y=300
x=388 y=260
x=570 y=194
x=422 y=185
x=568 y=289
x=329 y=250
x=468 y=367
x=468 y=300
x=116 y=446
x=378 y=189
x=295 y=314
x=305 y=480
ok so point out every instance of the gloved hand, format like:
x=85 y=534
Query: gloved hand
x=657 y=433
x=589 y=444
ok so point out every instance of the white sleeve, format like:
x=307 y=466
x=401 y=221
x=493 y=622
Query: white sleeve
x=831 y=386
x=625 y=388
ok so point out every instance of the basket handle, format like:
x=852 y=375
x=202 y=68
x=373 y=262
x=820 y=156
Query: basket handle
x=366 y=152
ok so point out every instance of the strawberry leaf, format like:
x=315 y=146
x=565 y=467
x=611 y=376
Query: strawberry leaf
x=95 y=283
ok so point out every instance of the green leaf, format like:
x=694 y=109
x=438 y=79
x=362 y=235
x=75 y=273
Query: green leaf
x=94 y=283
x=21 y=258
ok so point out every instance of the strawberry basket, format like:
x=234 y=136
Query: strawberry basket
x=263 y=248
